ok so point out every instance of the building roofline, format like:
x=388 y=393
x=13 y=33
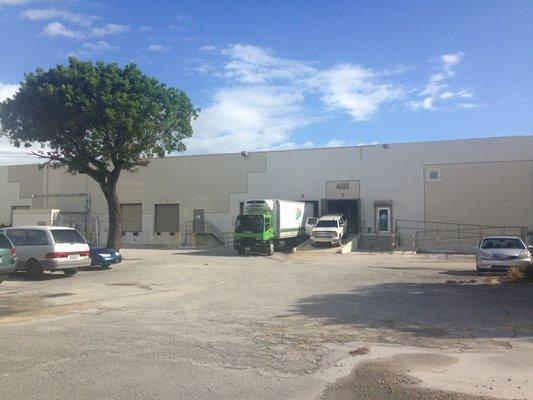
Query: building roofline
x=325 y=148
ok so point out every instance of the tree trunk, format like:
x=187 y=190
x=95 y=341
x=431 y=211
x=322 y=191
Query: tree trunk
x=113 y=208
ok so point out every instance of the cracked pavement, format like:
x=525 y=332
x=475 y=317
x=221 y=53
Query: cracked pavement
x=206 y=324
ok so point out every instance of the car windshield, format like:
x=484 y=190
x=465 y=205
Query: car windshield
x=249 y=223
x=327 y=223
x=4 y=242
x=67 y=236
x=502 y=243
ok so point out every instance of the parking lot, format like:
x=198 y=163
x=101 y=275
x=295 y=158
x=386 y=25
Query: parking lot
x=206 y=324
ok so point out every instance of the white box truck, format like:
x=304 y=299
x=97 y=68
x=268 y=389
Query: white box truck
x=268 y=223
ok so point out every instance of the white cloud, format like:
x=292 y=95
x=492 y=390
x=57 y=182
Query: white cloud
x=9 y=154
x=57 y=29
x=40 y=14
x=449 y=60
x=469 y=105
x=276 y=95
x=145 y=28
x=255 y=65
x=354 y=89
x=437 y=87
x=159 y=48
x=248 y=118
x=98 y=46
x=109 y=29
x=7 y=90
x=13 y=2
x=427 y=103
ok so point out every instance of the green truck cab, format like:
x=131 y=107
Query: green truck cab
x=266 y=224
x=254 y=232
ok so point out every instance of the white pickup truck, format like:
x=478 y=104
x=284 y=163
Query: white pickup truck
x=329 y=229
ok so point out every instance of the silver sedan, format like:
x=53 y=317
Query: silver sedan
x=499 y=253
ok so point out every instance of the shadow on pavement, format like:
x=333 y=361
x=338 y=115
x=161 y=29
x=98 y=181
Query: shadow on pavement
x=459 y=272
x=21 y=276
x=429 y=309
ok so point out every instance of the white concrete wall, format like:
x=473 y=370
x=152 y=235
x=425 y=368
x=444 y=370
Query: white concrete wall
x=217 y=183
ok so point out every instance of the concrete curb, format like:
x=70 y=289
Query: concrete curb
x=350 y=246
x=303 y=244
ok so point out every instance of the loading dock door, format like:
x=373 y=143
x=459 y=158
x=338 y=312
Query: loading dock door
x=348 y=208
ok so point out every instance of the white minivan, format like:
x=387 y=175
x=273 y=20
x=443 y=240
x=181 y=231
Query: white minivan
x=48 y=248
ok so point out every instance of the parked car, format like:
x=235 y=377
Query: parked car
x=499 y=253
x=8 y=257
x=48 y=248
x=103 y=256
x=329 y=229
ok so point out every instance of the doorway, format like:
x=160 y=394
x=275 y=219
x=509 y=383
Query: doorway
x=383 y=219
x=198 y=221
x=348 y=208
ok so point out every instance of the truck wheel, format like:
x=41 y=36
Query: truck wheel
x=70 y=272
x=34 y=269
x=270 y=248
x=240 y=252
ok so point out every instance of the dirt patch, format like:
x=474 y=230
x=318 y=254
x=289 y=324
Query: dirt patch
x=131 y=284
x=380 y=381
x=359 y=352
x=53 y=295
x=24 y=307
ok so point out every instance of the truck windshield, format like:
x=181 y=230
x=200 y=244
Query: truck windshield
x=249 y=223
x=327 y=223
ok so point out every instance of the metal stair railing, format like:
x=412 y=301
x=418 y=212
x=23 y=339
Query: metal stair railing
x=424 y=234
x=224 y=238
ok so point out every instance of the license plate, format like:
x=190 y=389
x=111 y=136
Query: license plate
x=73 y=256
x=246 y=248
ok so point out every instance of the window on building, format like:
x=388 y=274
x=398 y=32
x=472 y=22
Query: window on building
x=131 y=217
x=434 y=175
x=167 y=218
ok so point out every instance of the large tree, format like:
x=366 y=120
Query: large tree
x=98 y=119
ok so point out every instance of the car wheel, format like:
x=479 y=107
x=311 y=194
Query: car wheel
x=314 y=244
x=270 y=248
x=34 y=269
x=70 y=272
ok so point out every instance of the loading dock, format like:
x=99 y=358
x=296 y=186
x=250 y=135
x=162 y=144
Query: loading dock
x=348 y=208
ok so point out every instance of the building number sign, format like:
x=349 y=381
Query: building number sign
x=342 y=189
x=343 y=186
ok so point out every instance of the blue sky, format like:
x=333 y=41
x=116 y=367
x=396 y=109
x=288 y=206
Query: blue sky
x=293 y=74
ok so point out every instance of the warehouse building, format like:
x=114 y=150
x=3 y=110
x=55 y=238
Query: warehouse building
x=473 y=181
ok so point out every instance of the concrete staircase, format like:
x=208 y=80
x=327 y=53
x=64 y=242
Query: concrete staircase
x=377 y=243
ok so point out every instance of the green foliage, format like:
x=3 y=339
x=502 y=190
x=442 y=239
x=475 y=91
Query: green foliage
x=95 y=117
